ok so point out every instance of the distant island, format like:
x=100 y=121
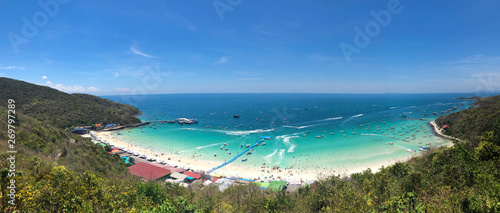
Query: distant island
x=58 y=171
x=469 y=98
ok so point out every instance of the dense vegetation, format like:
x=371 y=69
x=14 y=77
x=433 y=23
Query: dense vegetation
x=64 y=110
x=57 y=174
x=471 y=124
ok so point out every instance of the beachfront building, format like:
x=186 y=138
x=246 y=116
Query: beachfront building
x=277 y=185
x=192 y=176
x=177 y=178
x=149 y=172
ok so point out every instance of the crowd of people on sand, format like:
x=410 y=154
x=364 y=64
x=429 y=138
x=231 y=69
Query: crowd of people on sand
x=274 y=173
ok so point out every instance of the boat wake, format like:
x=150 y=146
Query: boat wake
x=286 y=141
x=370 y=134
x=247 y=132
x=270 y=156
x=209 y=145
x=352 y=117
x=230 y=132
x=355 y=116
x=336 y=118
x=302 y=127
x=281 y=155
x=298 y=126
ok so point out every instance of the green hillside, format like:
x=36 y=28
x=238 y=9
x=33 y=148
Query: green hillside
x=472 y=123
x=58 y=171
x=64 y=110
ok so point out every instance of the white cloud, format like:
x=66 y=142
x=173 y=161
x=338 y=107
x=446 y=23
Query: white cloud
x=468 y=60
x=12 y=68
x=319 y=57
x=71 y=89
x=138 y=72
x=44 y=77
x=260 y=29
x=222 y=60
x=486 y=75
x=177 y=18
x=92 y=89
x=135 y=50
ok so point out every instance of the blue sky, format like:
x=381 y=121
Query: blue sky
x=221 y=46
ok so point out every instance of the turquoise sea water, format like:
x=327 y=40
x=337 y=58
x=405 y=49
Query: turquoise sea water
x=353 y=129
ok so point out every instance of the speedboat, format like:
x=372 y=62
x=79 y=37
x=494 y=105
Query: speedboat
x=244 y=159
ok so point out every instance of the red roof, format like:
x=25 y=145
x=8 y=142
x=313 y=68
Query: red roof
x=114 y=150
x=148 y=171
x=215 y=179
x=192 y=174
x=171 y=168
x=446 y=126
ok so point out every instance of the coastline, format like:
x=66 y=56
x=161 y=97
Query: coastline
x=439 y=133
x=247 y=172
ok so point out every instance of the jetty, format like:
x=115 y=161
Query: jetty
x=262 y=138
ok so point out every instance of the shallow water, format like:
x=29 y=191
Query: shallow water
x=353 y=130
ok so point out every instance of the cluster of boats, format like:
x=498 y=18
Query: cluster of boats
x=182 y=121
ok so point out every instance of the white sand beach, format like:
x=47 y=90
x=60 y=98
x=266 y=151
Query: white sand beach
x=240 y=171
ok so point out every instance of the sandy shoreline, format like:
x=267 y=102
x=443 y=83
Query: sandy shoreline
x=439 y=133
x=242 y=171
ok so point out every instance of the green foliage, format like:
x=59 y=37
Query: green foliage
x=151 y=190
x=64 y=110
x=471 y=123
x=488 y=151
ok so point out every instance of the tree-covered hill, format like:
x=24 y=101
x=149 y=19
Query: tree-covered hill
x=471 y=123
x=64 y=110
